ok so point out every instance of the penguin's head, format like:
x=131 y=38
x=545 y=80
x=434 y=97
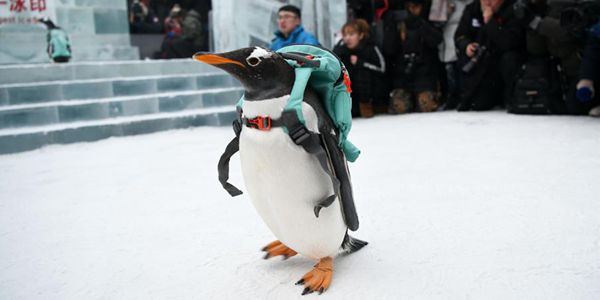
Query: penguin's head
x=263 y=73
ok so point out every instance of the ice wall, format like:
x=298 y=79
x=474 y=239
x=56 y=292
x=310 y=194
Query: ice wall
x=98 y=30
x=242 y=23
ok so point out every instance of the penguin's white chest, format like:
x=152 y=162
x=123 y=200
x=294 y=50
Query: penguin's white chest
x=285 y=182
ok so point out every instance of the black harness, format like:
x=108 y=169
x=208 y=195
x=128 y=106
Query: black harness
x=311 y=142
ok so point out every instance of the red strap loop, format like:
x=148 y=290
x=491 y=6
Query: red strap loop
x=347 y=82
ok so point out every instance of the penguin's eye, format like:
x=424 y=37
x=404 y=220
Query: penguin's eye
x=253 y=61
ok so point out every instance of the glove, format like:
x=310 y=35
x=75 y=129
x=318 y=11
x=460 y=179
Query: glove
x=585 y=90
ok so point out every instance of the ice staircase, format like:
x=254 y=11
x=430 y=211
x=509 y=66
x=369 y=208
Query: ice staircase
x=43 y=104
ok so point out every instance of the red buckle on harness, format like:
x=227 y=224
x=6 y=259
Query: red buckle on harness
x=260 y=123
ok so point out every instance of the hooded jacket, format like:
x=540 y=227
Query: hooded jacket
x=298 y=36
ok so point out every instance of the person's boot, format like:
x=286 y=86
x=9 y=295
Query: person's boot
x=595 y=112
x=426 y=102
x=366 y=110
x=399 y=102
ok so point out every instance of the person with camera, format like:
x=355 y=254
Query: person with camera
x=556 y=32
x=589 y=72
x=490 y=43
x=417 y=72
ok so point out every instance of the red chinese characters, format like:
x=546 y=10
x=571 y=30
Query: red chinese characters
x=18 y=6
x=37 y=5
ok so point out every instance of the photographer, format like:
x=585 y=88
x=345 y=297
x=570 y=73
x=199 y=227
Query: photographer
x=416 y=80
x=490 y=41
x=556 y=32
x=540 y=86
x=589 y=73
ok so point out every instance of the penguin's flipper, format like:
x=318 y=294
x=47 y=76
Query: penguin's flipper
x=324 y=203
x=338 y=162
x=277 y=248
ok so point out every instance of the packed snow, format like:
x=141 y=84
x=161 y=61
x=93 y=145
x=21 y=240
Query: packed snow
x=454 y=205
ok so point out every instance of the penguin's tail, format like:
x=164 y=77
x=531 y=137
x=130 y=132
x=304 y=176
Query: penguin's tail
x=351 y=245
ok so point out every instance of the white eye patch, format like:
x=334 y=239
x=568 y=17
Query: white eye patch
x=257 y=56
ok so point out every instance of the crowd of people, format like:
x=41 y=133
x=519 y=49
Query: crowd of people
x=527 y=56
x=184 y=24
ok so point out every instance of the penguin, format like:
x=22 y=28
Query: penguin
x=288 y=186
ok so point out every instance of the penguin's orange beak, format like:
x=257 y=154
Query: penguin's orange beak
x=213 y=59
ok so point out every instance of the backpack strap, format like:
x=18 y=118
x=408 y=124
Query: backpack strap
x=230 y=150
x=313 y=144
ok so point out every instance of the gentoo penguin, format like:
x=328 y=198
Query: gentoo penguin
x=288 y=186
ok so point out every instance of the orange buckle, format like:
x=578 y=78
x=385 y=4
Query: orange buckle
x=260 y=123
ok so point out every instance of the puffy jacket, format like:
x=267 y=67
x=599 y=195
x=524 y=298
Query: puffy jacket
x=298 y=36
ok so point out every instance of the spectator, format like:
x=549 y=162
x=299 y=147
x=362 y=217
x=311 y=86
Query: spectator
x=490 y=41
x=142 y=19
x=173 y=22
x=447 y=53
x=589 y=83
x=190 y=41
x=59 y=46
x=548 y=37
x=289 y=20
x=365 y=65
x=192 y=30
x=389 y=14
x=416 y=82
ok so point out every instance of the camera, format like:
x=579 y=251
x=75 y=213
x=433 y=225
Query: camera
x=475 y=59
x=410 y=60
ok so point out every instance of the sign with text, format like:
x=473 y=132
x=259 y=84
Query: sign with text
x=19 y=12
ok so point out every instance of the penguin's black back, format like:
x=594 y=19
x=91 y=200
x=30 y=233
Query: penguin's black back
x=330 y=135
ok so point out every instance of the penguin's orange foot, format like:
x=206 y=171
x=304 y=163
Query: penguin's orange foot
x=319 y=279
x=277 y=248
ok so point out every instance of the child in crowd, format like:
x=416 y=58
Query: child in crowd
x=365 y=65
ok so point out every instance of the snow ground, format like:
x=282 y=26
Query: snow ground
x=454 y=205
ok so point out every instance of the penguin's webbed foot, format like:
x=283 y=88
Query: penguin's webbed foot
x=277 y=248
x=319 y=279
x=323 y=203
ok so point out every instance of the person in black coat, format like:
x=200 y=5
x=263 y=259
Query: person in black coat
x=364 y=63
x=417 y=71
x=490 y=41
x=589 y=72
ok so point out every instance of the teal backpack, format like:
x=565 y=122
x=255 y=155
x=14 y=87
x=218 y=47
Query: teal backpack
x=58 y=43
x=322 y=70
x=326 y=75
